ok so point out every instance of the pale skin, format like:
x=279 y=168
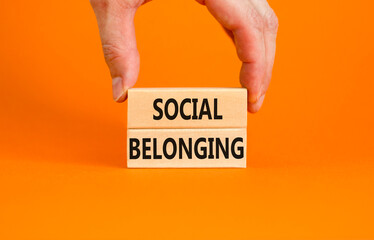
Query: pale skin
x=252 y=25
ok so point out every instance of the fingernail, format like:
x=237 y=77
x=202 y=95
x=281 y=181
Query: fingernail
x=254 y=107
x=119 y=91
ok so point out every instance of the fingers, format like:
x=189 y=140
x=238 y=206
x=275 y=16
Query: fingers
x=115 y=19
x=270 y=29
x=254 y=27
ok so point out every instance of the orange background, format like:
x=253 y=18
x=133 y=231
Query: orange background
x=62 y=137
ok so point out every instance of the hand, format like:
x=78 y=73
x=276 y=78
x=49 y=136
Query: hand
x=252 y=25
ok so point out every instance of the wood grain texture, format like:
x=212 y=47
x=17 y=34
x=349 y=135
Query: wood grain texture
x=208 y=148
x=202 y=108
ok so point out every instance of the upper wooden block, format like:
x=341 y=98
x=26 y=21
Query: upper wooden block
x=187 y=108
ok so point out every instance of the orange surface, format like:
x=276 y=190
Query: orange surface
x=62 y=138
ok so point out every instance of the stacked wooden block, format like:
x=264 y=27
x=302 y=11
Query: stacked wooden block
x=187 y=128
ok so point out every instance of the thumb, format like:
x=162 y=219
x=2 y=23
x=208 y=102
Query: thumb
x=115 y=19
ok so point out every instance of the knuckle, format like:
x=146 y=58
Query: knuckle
x=255 y=19
x=128 y=4
x=116 y=4
x=111 y=52
x=271 y=21
x=99 y=4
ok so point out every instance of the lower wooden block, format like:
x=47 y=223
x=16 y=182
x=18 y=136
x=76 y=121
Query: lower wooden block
x=187 y=148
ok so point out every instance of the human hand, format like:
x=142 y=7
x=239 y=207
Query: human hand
x=252 y=25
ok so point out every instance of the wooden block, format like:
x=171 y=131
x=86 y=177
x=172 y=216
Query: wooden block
x=150 y=108
x=186 y=148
